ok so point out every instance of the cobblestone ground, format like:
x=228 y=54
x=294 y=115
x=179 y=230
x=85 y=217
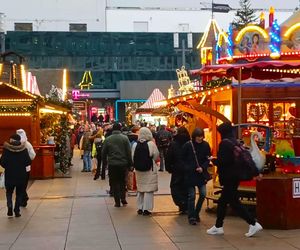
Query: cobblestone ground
x=77 y=213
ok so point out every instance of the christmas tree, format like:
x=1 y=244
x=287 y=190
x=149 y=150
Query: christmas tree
x=244 y=16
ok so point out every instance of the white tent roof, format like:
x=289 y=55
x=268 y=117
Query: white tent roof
x=154 y=97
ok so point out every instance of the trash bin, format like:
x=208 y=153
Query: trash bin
x=278 y=202
x=42 y=166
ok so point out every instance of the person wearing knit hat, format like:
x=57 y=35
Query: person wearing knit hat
x=32 y=154
x=230 y=182
x=14 y=160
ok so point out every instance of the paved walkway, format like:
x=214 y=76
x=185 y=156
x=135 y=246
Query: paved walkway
x=76 y=213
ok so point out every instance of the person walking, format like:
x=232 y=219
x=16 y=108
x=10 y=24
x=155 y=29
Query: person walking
x=15 y=158
x=163 y=140
x=175 y=166
x=86 y=146
x=230 y=182
x=116 y=151
x=32 y=154
x=145 y=154
x=196 y=153
x=97 y=153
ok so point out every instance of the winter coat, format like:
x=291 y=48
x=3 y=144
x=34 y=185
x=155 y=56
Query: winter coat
x=14 y=160
x=175 y=160
x=225 y=161
x=85 y=142
x=94 y=149
x=147 y=181
x=193 y=178
x=116 y=149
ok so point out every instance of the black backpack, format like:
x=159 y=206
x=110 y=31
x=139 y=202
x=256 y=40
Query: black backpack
x=99 y=146
x=142 y=161
x=245 y=166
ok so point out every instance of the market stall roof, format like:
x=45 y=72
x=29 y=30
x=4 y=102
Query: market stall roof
x=257 y=70
x=8 y=91
x=155 y=96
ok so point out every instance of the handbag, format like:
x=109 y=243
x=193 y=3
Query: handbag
x=2 y=181
x=205 y=173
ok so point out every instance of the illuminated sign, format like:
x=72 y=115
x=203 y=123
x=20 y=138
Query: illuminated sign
x=76 y=94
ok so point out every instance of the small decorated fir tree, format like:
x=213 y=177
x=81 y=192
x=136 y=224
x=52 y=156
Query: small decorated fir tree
x=244 y=16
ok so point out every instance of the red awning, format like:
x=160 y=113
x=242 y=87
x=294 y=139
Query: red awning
x=258 y=70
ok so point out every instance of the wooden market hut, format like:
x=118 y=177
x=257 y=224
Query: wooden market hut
x=21 y=109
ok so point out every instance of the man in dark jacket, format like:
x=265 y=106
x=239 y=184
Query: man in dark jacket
x=116 y=149
x=229 y=180
x=14 y=160
x=163 y=140
x=175 y=166
x=196 y=154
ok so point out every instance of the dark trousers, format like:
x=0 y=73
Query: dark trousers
x=117 y=181
x=230 y=196
x=19 y=195
x=179 y=191
x=25 y=197
x=99 y=169
x=162 y=155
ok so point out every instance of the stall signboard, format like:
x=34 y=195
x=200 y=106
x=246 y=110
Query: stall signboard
x=296 y=187
x=79 y=105
x=251 y=40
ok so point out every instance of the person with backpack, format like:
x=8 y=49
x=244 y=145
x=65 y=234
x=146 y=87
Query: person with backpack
x=144 y=155
x=229 y=179
x=196 y=153
x=97 y=153
x=163 y=140
x=175 y=166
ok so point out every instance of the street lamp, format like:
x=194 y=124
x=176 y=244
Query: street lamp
x=176 y=43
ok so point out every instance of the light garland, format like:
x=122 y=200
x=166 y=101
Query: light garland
x=15 y=100
x=20 y=90
x=15 y=114
x=288 y=71
x=195 y=96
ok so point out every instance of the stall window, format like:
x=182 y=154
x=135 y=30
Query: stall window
x=282 y=112
x=258 y=113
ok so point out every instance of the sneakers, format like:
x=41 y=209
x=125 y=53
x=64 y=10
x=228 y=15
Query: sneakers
x=253 y=229
x=215 y=230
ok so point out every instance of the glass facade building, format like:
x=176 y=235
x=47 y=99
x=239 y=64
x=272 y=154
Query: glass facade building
x=110 y=56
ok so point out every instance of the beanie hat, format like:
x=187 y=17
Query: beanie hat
x=225 y=129
x=117 y=126
x=15 y=137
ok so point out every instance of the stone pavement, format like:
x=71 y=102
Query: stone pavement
x=76 y=213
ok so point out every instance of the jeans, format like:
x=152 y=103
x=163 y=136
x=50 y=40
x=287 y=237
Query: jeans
x=162 y=154
x=230 y=196
x=194 y=211
x=87 y=162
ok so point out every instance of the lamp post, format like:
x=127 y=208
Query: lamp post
x=176 y=42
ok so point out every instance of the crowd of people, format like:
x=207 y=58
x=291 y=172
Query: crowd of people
x=118 y=149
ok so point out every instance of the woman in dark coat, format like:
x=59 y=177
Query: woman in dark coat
x=14 y=160
x=175 y=166
x=196 y=175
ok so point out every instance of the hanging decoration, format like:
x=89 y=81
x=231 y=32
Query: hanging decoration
x=218 y=83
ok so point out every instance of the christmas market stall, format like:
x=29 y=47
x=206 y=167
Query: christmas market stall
x=256 y=80
x=145 y=112
x=34 y=114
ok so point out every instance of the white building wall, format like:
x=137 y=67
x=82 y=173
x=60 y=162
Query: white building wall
x=54 y=15
x=120 y=15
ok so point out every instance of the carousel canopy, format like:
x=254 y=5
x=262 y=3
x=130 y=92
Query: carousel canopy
x=155 y=96
x=258 y=70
